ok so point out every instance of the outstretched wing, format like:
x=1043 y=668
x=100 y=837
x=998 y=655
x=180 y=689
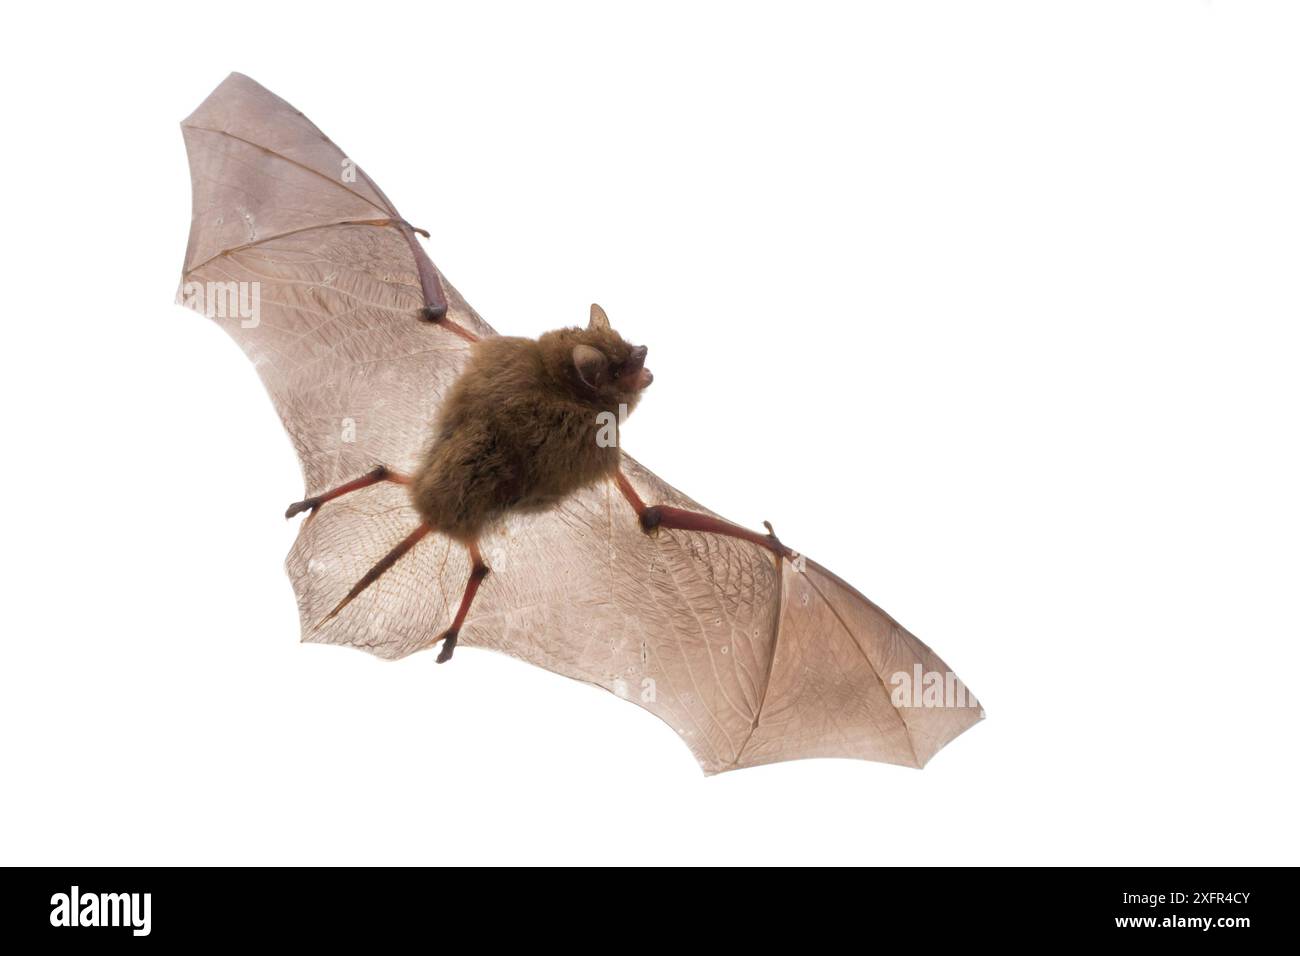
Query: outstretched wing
x=305 y=262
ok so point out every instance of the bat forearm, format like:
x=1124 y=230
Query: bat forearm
x=653 y=517
x=664 y=516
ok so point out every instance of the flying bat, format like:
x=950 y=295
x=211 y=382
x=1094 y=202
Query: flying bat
x=469 y=488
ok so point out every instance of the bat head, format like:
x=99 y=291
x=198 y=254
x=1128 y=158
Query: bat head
x=599 y=367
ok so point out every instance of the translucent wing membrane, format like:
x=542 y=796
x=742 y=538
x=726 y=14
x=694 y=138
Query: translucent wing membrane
x=750 y=659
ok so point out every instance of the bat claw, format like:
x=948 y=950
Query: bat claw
x=448 y=646
x=298 y=507
x=781 y=550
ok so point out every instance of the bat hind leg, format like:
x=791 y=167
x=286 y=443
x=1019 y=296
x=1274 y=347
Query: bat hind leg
x=653 y=517
x=372 y=477
x=478 y=571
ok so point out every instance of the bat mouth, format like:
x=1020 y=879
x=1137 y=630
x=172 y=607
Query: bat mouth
x=634 y=371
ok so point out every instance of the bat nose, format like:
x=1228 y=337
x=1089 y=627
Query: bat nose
x=636 y=367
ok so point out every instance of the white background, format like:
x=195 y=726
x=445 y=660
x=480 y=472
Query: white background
x=991 y=308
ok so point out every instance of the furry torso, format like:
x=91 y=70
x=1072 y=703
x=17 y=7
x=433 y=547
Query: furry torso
x=511 y=437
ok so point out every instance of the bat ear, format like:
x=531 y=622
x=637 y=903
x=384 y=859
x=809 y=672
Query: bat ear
x=591 y=365
x=599 y=320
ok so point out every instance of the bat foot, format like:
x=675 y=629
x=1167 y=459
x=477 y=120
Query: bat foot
x=448 y=646
x=298 y=507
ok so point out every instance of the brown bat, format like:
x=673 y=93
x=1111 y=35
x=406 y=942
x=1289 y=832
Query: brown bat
x=518 y=433
x=427 y=440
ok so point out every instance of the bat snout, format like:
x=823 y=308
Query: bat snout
x=635 y=369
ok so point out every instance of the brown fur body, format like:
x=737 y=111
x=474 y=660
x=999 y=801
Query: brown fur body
x=518 y=430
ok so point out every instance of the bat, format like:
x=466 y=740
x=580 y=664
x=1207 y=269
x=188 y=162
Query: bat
x=449 y=467
x=517 y=433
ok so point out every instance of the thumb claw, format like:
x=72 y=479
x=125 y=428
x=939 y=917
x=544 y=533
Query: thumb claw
x=771 y=532
x=781 y=550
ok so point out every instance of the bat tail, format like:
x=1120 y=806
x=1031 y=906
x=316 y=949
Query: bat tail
x=375 y=573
